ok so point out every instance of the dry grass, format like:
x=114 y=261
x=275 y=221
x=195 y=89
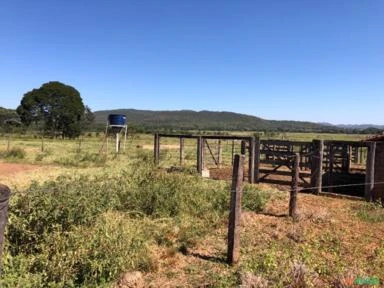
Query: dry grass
x=317 y=251
x=327 y=247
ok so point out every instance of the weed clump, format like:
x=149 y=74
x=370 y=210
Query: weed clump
x=82 y=160
x=14 y=153
x=86 y=231
x=370 y=212
x=254 y=199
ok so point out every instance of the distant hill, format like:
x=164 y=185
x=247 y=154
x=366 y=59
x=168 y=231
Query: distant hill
x=6 y=114
x=211 y=120
x=208 y=120
x=360 y=126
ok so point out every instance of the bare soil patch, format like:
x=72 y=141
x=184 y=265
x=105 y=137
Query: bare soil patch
x=7 y=169
x=328 y=239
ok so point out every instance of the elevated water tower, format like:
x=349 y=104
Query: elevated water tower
x=116 y=124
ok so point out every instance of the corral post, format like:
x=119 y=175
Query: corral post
x=233 y=252
x=346 y=158
x=200 y=154
x=257 y=159
x=181 y=151
x=219 y=154
x=243 y=147
x=294 y=186
x=251 y=168
x=233 y=150
x=157 y=148
x=4 y=200
x=331 y=156
x=370 y=172
x=317 y=166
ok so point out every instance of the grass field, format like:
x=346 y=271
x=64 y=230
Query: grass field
x=80 y=218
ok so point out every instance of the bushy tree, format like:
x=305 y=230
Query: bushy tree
x=54 y=107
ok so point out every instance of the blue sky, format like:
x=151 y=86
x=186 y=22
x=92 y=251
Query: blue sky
x=319 y=61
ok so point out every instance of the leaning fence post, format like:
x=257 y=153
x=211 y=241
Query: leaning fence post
x=370 y=172
x=233 y=252
x=4 y=199
x=294 y=186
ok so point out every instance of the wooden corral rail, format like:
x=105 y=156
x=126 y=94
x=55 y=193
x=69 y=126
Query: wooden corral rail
x=320 y=162
x=202 y=143
x=276 y=157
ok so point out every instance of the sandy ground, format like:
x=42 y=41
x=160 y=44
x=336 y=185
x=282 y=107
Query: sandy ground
x=20 y=175
x=7 y=169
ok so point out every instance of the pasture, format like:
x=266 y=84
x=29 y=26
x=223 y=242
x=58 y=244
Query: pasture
x=80 y=216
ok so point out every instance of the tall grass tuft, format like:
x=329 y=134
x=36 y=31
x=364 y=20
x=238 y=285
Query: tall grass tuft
x=13 y=153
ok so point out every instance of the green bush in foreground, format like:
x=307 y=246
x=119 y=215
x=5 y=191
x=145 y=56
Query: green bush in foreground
x=254 y=199
x=85 y=231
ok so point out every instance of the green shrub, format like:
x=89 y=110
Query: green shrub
x=84 y=231
x=14 y=153
x=86 y=255
x=254 y=199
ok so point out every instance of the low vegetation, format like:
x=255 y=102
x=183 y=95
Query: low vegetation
x=110 y=215
x=86 y=230
x=13 y=153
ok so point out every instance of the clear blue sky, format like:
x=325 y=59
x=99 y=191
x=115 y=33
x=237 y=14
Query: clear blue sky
x=309 y=60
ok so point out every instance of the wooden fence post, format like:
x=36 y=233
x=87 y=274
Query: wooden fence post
x=233 y=252
x=243 y=147
x=370 y=172
x=257 y=159
x=157 y=148
x=346 y=158
x=42 y=143
x=233 y=151
x=181 y=151
x=200 y=154
x=331 y=156
x=4 y=200
x=251 y=167
x=317 y=166
x=219 y=154
x=294 y=186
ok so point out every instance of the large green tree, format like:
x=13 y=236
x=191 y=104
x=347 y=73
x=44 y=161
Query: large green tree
x=54 y=107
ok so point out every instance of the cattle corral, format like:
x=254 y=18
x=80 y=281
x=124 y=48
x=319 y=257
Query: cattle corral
x=330 y=166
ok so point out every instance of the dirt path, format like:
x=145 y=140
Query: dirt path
x=7 y=169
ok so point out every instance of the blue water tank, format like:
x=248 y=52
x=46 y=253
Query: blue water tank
x=117 y=119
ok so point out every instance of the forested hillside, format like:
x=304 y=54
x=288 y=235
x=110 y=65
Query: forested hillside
x=208 y=120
